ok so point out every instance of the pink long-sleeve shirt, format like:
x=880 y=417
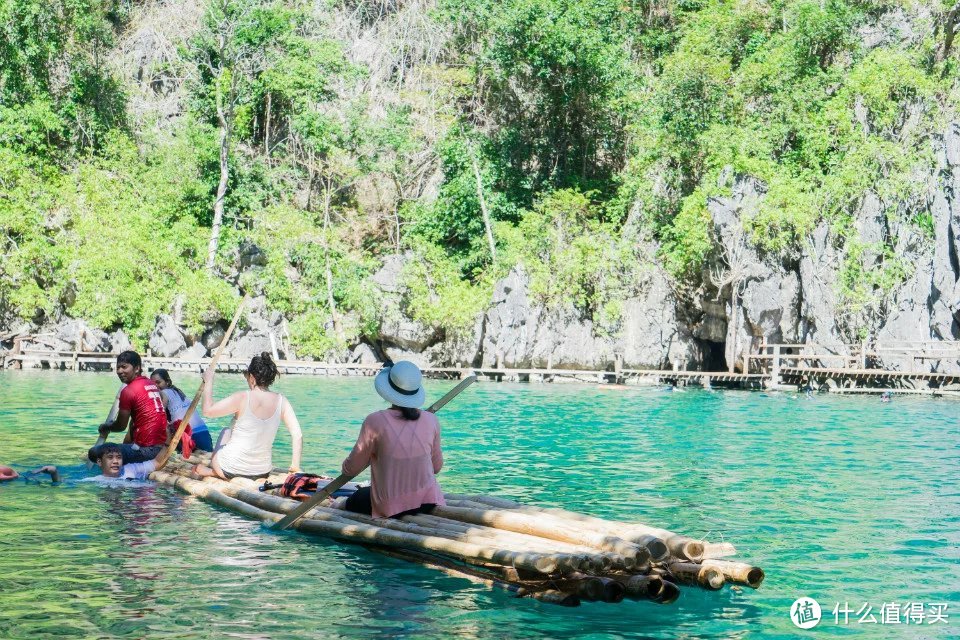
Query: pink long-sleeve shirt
x=404 y=457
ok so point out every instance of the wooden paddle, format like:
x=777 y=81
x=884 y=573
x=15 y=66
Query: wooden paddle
x=289 y=519
x=165 y=454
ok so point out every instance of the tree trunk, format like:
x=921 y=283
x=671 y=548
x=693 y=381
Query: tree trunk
x=949 y=27
x=483 y=206
x=734 y=309
x=266 y=127
x=225 y=121
x=328 y=272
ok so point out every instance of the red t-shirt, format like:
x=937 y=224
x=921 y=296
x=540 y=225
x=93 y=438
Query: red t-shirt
x=142 y=399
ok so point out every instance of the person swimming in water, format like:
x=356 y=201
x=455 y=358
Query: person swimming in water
x=109 y=457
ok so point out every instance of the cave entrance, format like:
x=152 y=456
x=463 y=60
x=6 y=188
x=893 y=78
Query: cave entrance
x=713 y=355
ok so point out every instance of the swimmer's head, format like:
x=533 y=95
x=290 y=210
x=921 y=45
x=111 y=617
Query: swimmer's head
x=110 y=458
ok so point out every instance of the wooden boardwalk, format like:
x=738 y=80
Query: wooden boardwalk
x=835 y=368
x=78 y=361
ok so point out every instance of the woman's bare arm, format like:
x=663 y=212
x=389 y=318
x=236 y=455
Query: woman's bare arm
x=296 y=435
x=230 y=404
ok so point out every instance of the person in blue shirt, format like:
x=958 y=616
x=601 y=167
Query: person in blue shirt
x=177 y=404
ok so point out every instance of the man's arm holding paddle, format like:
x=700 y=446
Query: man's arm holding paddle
x=122 y=423
x=344 y=478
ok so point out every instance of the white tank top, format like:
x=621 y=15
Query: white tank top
x=250 y=450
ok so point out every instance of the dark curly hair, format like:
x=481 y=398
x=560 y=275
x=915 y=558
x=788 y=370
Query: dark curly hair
x=98 y=451
x=263 y=370
x=130 y=357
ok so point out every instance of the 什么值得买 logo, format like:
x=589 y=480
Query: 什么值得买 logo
x=805 y=613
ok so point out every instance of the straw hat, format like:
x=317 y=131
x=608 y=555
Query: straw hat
x=401 y=385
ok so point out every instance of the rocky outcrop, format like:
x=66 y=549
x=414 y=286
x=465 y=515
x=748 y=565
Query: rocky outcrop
x=519 y=333
x=784 y=300
x=213 y=336
x=246 y=346
x=652 y=335
x=819 y=269
x=167 y=338
x=194 y=352
x=400 y=337
x=760 y=294
x=120 y=342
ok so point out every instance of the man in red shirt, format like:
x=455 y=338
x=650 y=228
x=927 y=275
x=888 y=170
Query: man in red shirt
x=141 y=412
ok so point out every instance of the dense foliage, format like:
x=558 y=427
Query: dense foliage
x=554 y=134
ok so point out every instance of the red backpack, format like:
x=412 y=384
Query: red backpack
x=300 y=486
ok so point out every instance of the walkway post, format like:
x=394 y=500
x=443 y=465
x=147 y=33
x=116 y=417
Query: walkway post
x=775 y=373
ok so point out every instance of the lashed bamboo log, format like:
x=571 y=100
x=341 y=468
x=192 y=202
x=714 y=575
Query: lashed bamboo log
x=656 y=547
x=329 y=526
x=577 y=560
x=592 y=588
x=605 y=589
x=236 y=488
x=560 y=567
x=718 y=550
x=601 y=561
x=481 y=576
x=544 y=528
x=679 y=545
x=693 y=573
x=642 y=587
x=668 y=592
x=654 y=587
x=739 y=572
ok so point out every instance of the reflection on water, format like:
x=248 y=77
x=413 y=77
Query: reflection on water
x=840 y=499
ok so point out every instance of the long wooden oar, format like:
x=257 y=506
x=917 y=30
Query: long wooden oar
x=165 y=454
x=343 y=478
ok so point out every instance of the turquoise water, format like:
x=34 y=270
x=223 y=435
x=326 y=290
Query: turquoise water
x=839 y=499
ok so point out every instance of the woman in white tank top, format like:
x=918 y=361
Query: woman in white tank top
x=247 y=449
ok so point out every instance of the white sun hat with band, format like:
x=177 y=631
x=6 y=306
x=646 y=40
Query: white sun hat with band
x=401 y=384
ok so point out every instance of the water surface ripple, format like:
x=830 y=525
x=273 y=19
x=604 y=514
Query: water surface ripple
x=839 y=499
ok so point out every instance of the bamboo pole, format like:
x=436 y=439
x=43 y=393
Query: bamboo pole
x=681 y=546
x=280 y=505
x=575 y=557
x=478 y=575
x=603 y=561
x=323 y=523
x=570 y=557
x=718 y=550
x=605 y=589
x=739 y=572
x=543 y=527
x=164 y=456
x=642 y=587
x=703 y=575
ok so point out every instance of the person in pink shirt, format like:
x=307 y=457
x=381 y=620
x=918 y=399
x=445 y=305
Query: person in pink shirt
x=401 y=445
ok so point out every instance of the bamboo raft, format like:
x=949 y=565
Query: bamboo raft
x=551 y=555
